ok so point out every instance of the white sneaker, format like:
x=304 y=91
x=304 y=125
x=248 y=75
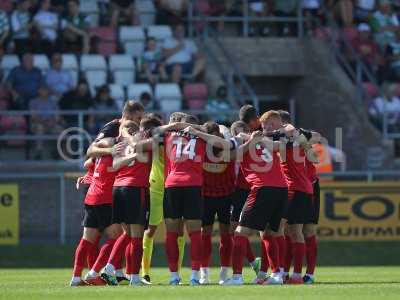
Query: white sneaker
x=274 y=279
x=138 y=282
x=204 y=276
x=234 y=281
x=223 y=275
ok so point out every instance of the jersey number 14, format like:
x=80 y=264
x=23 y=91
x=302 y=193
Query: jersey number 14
x=186 y=149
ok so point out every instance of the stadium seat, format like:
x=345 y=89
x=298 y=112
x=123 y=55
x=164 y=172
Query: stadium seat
x=107 y=39
x=8 y=62
x=135 y=90
x=123 y=69
x=117 y=92
x=93 y=62
x=195 y=95
x=132 y=38
x=95 y=78
x=41 y=61
x=70 y=63
x=146 y=11
x=168 y=96
x=13 y=125
x=159 y=32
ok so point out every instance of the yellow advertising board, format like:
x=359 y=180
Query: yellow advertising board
x=9 y=214
x=360 y=211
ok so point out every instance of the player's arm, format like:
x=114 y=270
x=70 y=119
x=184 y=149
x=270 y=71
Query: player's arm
x=101 y=148
x=121 y=161
x=254 y=138
x=217 y=141
x=88 y=163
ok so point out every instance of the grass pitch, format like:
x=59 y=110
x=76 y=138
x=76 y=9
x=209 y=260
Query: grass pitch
x=332 y=283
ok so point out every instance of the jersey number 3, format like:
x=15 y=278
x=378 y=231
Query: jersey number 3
x=186 y=149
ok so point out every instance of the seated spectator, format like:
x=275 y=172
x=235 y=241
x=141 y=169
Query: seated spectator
x=24 y=81
x=77 y=99
x=393 y=56
x=368 y=49
x=385 y=24
x=4 y=29
x=123 y=13
x=21 y=27
x=182 y=56
x=43 y=120
x=220 y=106
x=103 y=102
x=75 y=37
x=363 y=9
x=47 y=23
x=147 y=101
x=389 y=104
x=58 y=80
x=171 y=12
x=152 y=63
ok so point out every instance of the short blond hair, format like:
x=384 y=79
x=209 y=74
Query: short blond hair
x=270 y=115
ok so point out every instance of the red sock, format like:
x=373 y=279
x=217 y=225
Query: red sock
x=136 y=253
x=271 y=247
x=282 y=250
x=288 y=257
x=225 y=249
x=249 y=252
x=93 y=253
x=171 y=247
x=81 y=253
x=195 y=249
x=104 y=254
x=128 y=260
x=238 y=253
x=206 y=250
x=118 y=250
x=298 y=252
x=264 y=258
x=311 y=253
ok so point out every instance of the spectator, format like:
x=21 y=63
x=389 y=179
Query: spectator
x=58 y=80
x=389 y=104
x=24 y=81
x=46 y=23
x=259 y=8
x=344 y=9
x=171 y=12
x=368 y=49
x=103 y=102
x=123 y=10
x=43 y=120
x=285 y=8
x=363 y=9
x=4 y=28
x=77 y=99
x=5 y=95
x=152 y=63
x=311 y=10
x=21 y=27
x=147 y=101
x=220 y=106
x=393 y=56
x=385 y=24
x=182 y=56
x=75 y=37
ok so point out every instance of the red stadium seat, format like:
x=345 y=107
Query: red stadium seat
x=13 y=125
x=107 y=39
x=6 y=5
x=371 y=90
x=195 y=95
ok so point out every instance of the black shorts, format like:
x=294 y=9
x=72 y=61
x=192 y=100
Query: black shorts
x=131 y=205
x=239 y=198
x=265 y=205
x=97 y=216
x=300 y=208
x=183 y=202
x=316 y=202
x=220 y=206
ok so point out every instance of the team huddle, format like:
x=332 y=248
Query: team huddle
x=257 y=176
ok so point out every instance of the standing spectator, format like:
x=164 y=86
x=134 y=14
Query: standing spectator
x=285 y=8
x=311 y=10
x=182 y=56
x=385 y=24
x=363 y=9
x=24 y=81
x=47 y=23
x=123 y=10
x=21 y=27
x=147 y=101
x=171 y=12
x=259 y=8
x=393 y=55
x=43 y=119
x=4 y=28
x=77 y=99
x=75 y=37
x=103 y=102
x=344 y=9
x=58 y=80
x=220 y=106
x=152 y=63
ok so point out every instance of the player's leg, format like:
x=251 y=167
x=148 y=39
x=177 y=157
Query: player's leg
x=94 y=252
x=206 y=232
x=136 y=253
x=309 y=231
x=181 y=243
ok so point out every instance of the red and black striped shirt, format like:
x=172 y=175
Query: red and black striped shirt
x=219 y=178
